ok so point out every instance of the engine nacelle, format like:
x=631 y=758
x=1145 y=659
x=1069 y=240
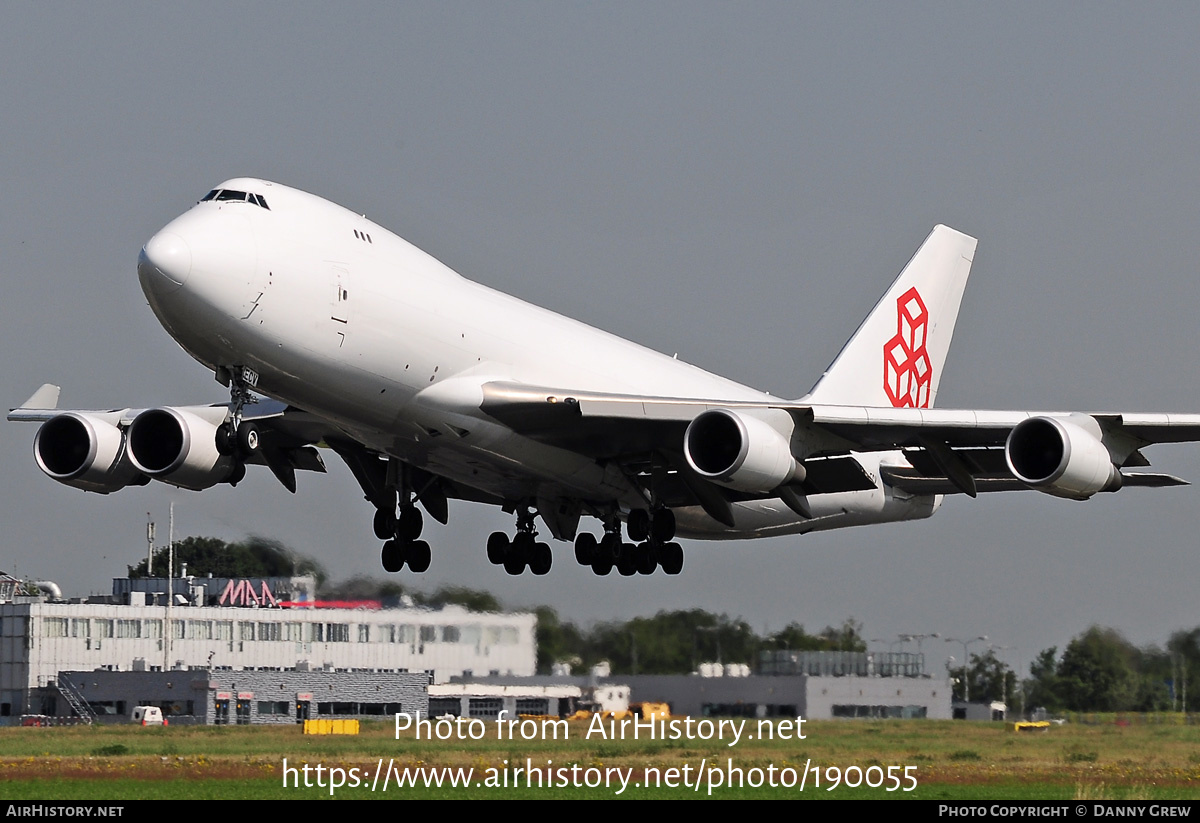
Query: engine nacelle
x=739 y=451
x=178 y=447
x=84 y=451
x=1060 y=457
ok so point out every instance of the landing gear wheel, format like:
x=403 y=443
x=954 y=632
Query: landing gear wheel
x=497 y=547
x=585 y=548
x=645 y=558
x=638 y=525
x=514 y=564
x=384 y=524
x=236 y=474
x=541 y=560
x=418 y=556
x=627 y=562
x=519 y=553
x=247 y=439
x=224 y=439
x=662 y=527
x=408 y=526
x=392 y=556
x=610 y=548
x=670 y=557
x=603 y=563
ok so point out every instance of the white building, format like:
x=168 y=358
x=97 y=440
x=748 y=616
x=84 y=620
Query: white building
x=38 y=639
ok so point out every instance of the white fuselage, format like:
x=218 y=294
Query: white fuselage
x=342 y=318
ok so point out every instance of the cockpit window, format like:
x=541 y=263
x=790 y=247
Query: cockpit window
x=234 y=196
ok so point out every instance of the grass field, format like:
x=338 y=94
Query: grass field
x=951 y=760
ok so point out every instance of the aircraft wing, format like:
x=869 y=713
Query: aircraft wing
x=943 y=450
x=86 y=447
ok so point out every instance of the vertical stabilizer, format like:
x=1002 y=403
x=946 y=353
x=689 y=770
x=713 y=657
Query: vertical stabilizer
x=897 y=355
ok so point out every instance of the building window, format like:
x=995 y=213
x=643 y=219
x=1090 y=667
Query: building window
x=485 y=706
x=270 y=631
x=199 y=630
x=905 y=712
x=428 y=634
x=533 y=705
x=247 y=630
x=439 y=706
x=81 y=628
x=129 y=628
x=55 y=626
x=364 y=633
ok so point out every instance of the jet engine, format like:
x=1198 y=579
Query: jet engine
x=1061 y=457
x=178 y=447
x=739 y=451
x=84 y=451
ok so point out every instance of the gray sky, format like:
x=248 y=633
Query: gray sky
x=737 y=183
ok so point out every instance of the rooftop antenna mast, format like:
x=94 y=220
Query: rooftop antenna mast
x=170 y=628
x=149 y=546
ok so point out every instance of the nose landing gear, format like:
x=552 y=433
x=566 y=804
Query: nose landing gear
x=235 y=437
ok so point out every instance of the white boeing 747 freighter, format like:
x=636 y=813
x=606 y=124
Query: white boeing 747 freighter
x=331 y=331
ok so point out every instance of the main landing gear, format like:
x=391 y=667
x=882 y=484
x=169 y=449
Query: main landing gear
x=522 y=551
x=400 y=534
x=652 y=533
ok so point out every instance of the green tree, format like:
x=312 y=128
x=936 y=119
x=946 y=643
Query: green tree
x=1097 y=672
x=1184 y=649
x=253 y=557
x=557 y=642
x=989 y=678
x=848 y=638
x=794 y=638
x=473 y=600
x=672 y=642
x=361 y=587
x=1042 y=687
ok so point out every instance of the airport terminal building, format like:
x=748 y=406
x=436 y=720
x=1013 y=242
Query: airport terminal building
x=40 y=638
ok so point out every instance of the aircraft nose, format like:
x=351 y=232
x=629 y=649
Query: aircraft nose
x=165 y=262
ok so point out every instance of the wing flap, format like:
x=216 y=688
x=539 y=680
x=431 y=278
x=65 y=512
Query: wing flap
x=831 y=475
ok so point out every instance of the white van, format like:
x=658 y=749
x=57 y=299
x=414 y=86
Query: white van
x=148 y=716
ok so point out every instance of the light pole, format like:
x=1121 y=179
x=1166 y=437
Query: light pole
x=966 y=662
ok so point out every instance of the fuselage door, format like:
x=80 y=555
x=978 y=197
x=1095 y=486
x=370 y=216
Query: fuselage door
x=340 y=311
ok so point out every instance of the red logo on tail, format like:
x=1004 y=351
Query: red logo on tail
x=907 y=370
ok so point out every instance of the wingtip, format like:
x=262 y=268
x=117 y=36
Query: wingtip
x=44 y=398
